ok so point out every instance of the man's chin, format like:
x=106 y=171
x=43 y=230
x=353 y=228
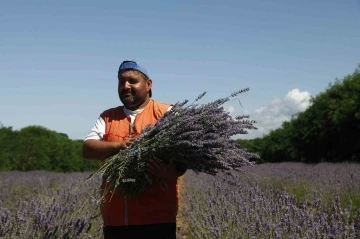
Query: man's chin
x=127 y=101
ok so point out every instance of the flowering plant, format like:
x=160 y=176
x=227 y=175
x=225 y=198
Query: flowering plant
x=197 y=137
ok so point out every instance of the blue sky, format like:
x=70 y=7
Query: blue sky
x=58 y=61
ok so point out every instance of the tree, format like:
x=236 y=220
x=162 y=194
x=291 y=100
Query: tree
x=38 y=148
x=327 y=131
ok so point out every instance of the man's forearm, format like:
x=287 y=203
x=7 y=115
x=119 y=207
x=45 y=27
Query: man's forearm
x=99 y=150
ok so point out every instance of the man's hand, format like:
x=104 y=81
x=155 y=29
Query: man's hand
x=124 y=144
x=161 y=170
x=100 y=150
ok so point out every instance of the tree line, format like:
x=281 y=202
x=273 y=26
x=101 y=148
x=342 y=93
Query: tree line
x=38 y=148
x=327 y=131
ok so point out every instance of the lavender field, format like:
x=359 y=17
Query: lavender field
x=48 y=205
x=287 y=200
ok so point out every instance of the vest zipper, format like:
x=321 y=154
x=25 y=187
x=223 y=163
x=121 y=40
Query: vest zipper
x=126 y=204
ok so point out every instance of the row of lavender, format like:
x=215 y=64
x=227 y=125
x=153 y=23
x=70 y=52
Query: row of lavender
x=48 y=205
x=287 y=200
x=258 y=204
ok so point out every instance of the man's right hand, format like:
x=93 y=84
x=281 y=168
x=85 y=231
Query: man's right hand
x=124 y=144
x=100 y=150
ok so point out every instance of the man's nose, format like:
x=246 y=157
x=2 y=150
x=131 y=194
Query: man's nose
x=126 y=85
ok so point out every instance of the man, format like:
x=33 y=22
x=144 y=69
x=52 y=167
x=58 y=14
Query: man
x=153 y=213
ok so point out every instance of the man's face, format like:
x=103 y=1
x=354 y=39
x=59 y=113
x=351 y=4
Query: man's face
x=133 y=88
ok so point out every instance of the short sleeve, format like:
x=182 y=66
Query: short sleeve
x=97 y=131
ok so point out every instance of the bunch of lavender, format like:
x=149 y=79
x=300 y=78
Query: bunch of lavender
x=197 y=137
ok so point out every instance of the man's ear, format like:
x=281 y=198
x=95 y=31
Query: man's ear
x=149 y=84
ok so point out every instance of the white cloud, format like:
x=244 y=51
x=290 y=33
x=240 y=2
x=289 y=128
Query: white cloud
x=229 y=109
x=273 y=114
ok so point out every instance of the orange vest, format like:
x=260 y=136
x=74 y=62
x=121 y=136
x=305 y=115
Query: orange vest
x=155 y=204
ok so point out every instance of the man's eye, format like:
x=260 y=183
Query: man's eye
x=132 y=81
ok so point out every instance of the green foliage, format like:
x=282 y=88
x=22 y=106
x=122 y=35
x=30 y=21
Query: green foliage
x=327 y=131
x=38 y=148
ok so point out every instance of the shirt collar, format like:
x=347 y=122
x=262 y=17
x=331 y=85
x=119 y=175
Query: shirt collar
x=132 y=112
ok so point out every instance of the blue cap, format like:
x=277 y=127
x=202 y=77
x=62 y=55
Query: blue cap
x=132 y=65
